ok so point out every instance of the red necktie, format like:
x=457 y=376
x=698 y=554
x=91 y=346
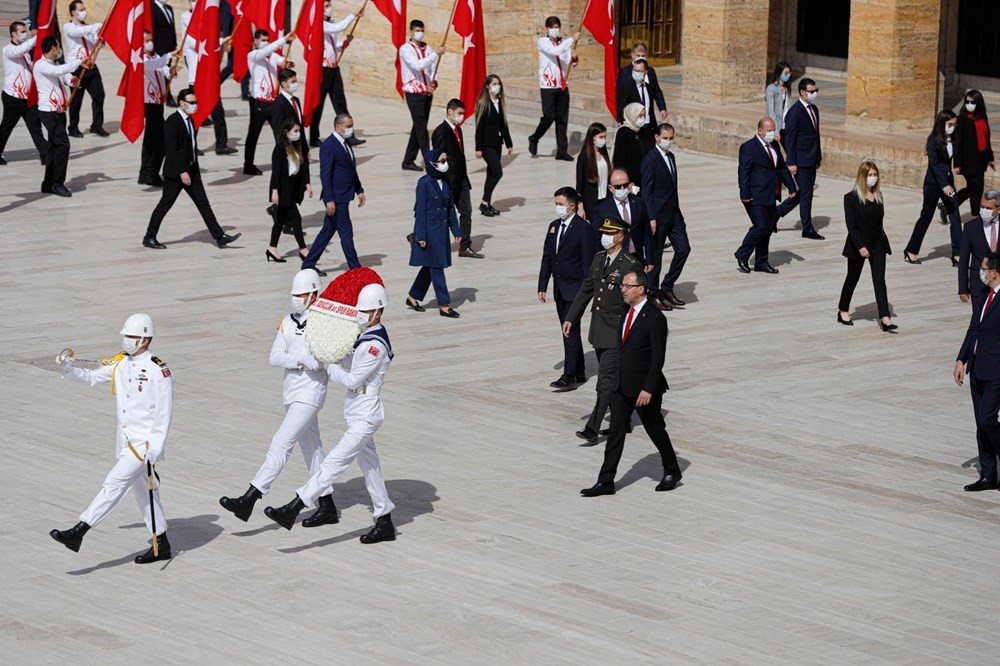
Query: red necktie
x=770 y=154
x=628 y=324
x=812 y=117
x=986 y=308
x=458 y=137
x=298 y=111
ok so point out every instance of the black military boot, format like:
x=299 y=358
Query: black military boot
x=383 y=530
x=241 y=507
x=326 y=514
x=162 y=551
x=71 y=538
x=285 y=515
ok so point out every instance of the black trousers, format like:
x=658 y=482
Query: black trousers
x=573 y=362
x=555 y=109
x=494 y=171
x=676 y=231
x=876 y=260
x=420 y=113
x=219 y=125
x=94 y=86
x=463 y=202
x=152 y=142
x=287 y=214
x=260 y=113
x=973 y=191
x=758 y=238
x=622 y=407
x=931 y=196
x=15 y=108
x=333 y=87
x=172 y=187
x=986 y=404
x=607 y=365
x=57 y=152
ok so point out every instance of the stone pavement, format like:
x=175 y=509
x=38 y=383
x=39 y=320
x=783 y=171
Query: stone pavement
x=821 y=519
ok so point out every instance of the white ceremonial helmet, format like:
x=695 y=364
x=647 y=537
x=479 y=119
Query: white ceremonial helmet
x=372 y=297
x=138 y=324
x=306 y=281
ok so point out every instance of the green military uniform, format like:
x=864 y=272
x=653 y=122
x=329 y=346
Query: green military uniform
x=603 y=285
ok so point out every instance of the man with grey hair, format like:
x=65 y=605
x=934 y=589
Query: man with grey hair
x=978 y=240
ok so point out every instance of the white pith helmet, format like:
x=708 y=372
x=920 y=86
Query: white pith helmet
x=306 y=281
x=140 y=325
x=372 y=297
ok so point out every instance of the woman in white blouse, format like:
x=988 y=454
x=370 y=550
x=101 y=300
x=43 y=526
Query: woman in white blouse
x=593 y=166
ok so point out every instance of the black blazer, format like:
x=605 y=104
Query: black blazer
x=625 y=74
x=758 y=175
x=639 y=232
x=801 y=138
x=178 y=153
x=973 y=247
x=985 y=363
x=630 y=149
x=966 y=147
x=281 y=110
x=659 y=187
x=938 y=165
x=164 y=33
x=291 y=189
x=626 y=92
x=458 y=173
x=567 y=268
x=641 y=356
x=588 y=191
x=491 y=129
x=864 y=226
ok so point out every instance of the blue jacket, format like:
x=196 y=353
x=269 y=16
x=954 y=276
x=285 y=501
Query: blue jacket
x=758 y=176
x=568 y=267
x=625 y=77
x=434 y=214
x=938 y=165
x=801 y=137
x=639 y=232
x=338 y=173
x=659 y=187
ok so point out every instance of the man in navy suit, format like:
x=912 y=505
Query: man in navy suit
x=638 y=386
x=659 y=192
x=630 y=209
x=981 y=353
x=338 y=170
x=978 y=240
x=634 y=90
x=625 y=76
x=801 y=136
x=567 y=254
x=761 y=164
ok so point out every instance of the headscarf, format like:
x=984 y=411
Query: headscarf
x=430 y=157
x=631 y=113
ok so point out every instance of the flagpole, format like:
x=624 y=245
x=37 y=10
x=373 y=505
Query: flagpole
x=573 y=52
x=93 y=56
x=288 y=42
x=437 y=63
x=350 y=35
x=180 y=49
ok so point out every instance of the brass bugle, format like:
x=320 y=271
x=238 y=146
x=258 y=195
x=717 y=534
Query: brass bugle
x=70 y=356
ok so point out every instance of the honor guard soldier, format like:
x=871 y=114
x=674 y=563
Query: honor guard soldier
x=143 y=390
x=363 y=374
x=304 y=395
x=81 y=38
x=16 y=88
x=263 y=63
x=603 y=285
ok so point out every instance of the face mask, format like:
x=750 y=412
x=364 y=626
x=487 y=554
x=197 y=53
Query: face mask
x=459 y=118
x=192 y=109
x=638 y=77
x=294 y=136
x=82 y=14
x=495 y=89
x=769 y=136
x=970 y=107
x=443 y=168
x=561 y=212
x=621 y=195
x=600 y=143
x=785 y=77
x=261 y=45
x=299 y=304
x=362 y=319
x=22 y=37
x=872 y=181
x=982 y=276
x=640 y=121
x=327 y=13
x=148 y=46
x=348 y=132
x=293 y=88
x=553 y=33
x=607 y=241
x=418 y=36
x=130 y=346
x=986 y=215
x=949 y=129
x=666 y=144
x=812 y=96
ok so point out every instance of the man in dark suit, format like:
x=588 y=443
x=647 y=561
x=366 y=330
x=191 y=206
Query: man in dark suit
x=978 y=240
x=338 y=168
x=802 y=143
x=567 y=253
x=625 y=74
x=181 y=172
x=981 y=353
x=287 y=106
x=629 y=208
x=634 y=90
x=164 y=35
x=659 y=192
x=603 y=285
x=448 y=137
x=761 y=165
x=638 y=385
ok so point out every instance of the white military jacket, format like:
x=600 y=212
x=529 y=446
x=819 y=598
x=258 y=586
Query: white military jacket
x=301 y=385
x=363 y=374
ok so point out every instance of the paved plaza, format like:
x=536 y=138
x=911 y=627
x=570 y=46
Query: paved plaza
x=821 y=519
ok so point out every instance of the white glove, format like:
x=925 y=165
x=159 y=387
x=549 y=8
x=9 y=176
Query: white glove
x=309 y=362
x=64 y=363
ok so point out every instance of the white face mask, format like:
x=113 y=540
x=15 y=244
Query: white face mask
x=294 y=136
x=986 y=215
x=82 y=14
x=553 y=33
x=363 y=319
x=769 y=136
x=638 y=77
x=949 y=129
x=293 y=87
x=262 y=44
x=600 y=143
x=607 y=241
x=300 y=304
x=22 y=37
x=192 y=109
x=640 y=121
x=666 y=144
x=443 y=168
x=982 y=276
x=561 y=212
x=148 y=46
x=459 y=118
x=970 y=107
x=418 y=36
x=327 y=13
x=872 y=181
x=812 y=96
x=621 y=195
x=130 y=346
x=495 y=89
x=348 y=132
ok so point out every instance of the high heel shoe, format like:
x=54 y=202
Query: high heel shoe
x=414 y=305
x=845 y=322
x=887 y=328
x=954 y=262
x=906 y=258
x=271 y=257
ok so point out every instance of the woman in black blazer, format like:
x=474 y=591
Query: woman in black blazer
x=633 y=141
x=593 y=169
x=866 y=239
x=289 y=183
x=973 y=149
x=939 y=183
x=491 y=136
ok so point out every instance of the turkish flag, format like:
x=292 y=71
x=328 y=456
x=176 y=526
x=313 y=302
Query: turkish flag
x=265 y=15
x=309 y=30
x=123 y=34
x=395 y=11
x=204 y=30
x=242 y=39
x=599 y=19
x=468 y=24
x=46 y=27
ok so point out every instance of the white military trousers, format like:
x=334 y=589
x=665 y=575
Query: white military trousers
x=128 y=472
x=299 y=425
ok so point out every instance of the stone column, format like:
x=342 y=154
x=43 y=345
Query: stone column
x=724 y=50
x=892 y=65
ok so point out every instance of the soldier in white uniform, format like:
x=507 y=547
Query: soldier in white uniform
x=304 y=395
x=143 y=390
x=363 y=374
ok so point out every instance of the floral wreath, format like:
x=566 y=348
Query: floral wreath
x=333 y=327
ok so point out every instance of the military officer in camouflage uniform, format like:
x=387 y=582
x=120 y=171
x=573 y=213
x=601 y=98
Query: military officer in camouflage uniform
x=603 y=285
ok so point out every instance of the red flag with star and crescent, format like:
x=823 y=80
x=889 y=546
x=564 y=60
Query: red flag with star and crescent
x=468 y=24
x=599 y=19
x=265 y=15
x=395 y=11
x=46 y=27
x=123 y=34
x=204 y=30
x=242 y=39
x=310 y=32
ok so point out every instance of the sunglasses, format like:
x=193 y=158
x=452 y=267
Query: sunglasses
x=623 y=186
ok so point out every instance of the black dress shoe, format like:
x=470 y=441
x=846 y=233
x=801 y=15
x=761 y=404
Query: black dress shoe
x=99 y=131
x=450 y=313
x=668 y=482
x=384 y=530
x=355 y=141
x=812 y=235
x=153 y=244
x=581 y=379
x=564 y=383
x=226 y=150
x=470 y=253
x=661 y=304
x=241 y=507
x=61 y=191
x=75 y=132
x=599 y=489
x=493 y=210
x=607 y=431
x=315 y=143
x=845 y=322
x=71 y=538
x=673 y=300
x=981 y=484
x=533 y=146
x=414 y=304
x=226 y=239
x=46 y=189
x=564 y=157
x=588 y=434
x=162 y=551
x=156 y=181
x=326 y=514
x=251 y=170
x=199 y=152
x=143 y=180
x=742 y=265
x=410 y=166
x=766 y=268
x=485 y=210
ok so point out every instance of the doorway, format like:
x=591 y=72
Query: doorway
x=655 y=23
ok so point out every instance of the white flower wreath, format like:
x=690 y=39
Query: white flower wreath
x=331 y=336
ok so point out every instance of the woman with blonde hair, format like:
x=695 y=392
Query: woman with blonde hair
x=289 y=183
x=866 y=239
x=491 y=135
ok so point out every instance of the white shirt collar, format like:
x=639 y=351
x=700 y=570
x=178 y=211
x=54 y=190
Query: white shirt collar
x=183 y=115
x=450 y=124
x=662 y=152
x=286 y=94
x=805 y=102
x=638 y=308
x=339 y=138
